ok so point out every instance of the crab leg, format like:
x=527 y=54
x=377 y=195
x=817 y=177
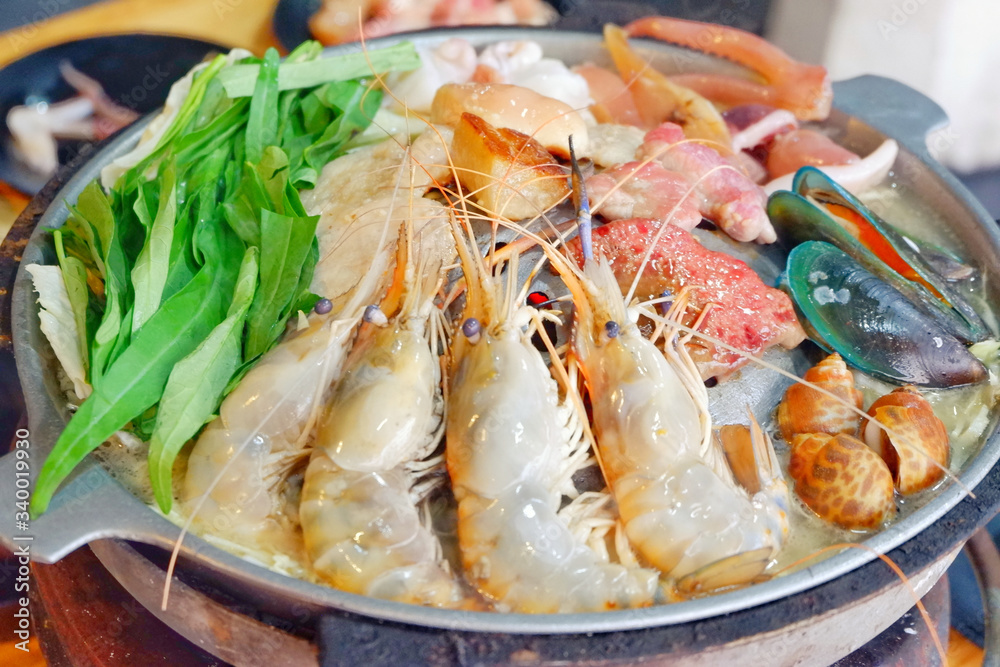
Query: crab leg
x=800 y=88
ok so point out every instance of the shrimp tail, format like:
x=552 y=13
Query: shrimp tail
x=736 y=570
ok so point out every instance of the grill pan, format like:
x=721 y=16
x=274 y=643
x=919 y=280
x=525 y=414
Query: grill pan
x=93 y=506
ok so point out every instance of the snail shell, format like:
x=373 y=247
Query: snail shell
x=843 y=481
x=916 y=450
x=805 y=410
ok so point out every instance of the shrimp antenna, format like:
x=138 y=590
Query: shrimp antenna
x=581 y=203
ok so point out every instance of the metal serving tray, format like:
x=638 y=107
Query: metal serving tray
x=93 y=506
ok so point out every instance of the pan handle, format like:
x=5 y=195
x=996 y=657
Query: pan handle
x=90 y=506
x=892 y=108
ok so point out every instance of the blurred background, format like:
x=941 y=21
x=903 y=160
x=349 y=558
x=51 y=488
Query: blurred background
x=946 y=50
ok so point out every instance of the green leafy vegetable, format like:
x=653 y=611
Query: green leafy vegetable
x=196 y=384
x=149 y=275
x=93 y=211
x=263 y=120
x=351 y=106
x=287 y=242
x=240 y=80
x=186 y=272
x=136 y=379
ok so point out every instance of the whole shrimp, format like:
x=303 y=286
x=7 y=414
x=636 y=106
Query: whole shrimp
x=243 y=456
x=362 y=530
x=681 y=507
x=511 y=449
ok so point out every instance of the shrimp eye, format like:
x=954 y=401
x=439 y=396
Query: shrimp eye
x=323 y=306
x=665 y=305
x=611 y=330
x=471 y=329
x=375 y=316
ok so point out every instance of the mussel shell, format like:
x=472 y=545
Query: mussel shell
x=871 y=324
x=800 y=216
x=922 y=258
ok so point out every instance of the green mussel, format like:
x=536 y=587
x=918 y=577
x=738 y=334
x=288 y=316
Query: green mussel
x=821 y=210
x=872 y=325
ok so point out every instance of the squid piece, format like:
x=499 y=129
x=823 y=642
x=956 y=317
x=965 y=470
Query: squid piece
x=522 y=63
x=856 y=177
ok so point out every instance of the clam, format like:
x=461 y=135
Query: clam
x=806 y=410
x=915 y=446
x=871 y=325
x=843 y=481
x=820 y=210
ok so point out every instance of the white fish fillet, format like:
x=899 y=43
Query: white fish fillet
x=357 y=191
